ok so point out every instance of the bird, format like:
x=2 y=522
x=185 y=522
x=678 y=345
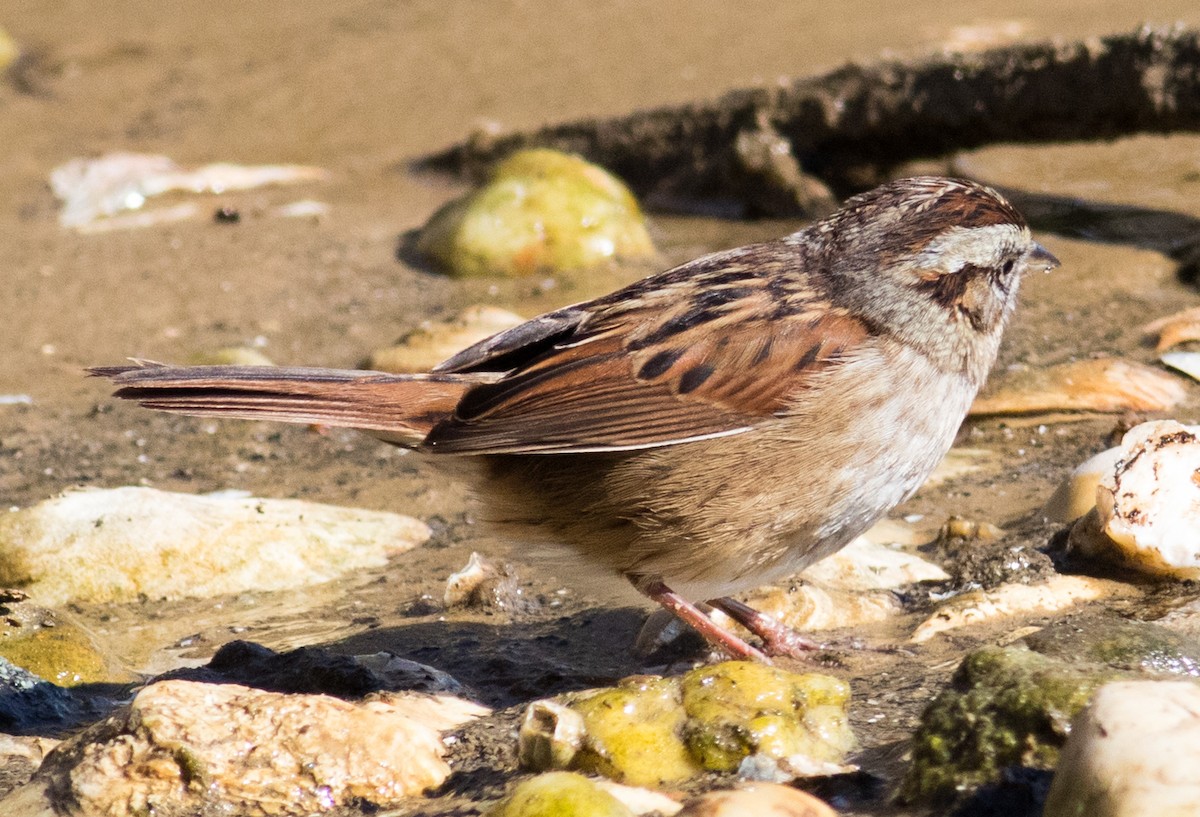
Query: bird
x=707 y=429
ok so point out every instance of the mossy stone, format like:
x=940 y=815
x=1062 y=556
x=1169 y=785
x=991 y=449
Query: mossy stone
x=633 y=734
x=541 y=211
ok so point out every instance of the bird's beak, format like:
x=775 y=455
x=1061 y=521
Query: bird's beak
x=1042 y=257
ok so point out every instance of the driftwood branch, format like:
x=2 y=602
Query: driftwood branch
x=797 y=149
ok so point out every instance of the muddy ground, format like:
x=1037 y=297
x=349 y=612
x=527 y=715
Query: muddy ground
x=362 y=89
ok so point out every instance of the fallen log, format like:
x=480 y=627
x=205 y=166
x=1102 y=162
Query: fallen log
x=797 y=149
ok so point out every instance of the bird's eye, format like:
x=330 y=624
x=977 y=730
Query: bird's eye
x=1008 y=266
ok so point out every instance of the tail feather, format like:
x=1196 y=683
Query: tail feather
x=398 y=408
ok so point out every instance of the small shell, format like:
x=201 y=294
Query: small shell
x=1102 y=384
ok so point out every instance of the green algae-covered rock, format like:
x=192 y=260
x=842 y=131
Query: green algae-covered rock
x=736 y=709
x=541 y=211
x=633 y=733
x=654 y=731
x=1005 y=707
x=559 y=794
x=1012 y=706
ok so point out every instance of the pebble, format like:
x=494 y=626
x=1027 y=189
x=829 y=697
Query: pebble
x=1132 y=753
x=104 y=545
x=1012 y=706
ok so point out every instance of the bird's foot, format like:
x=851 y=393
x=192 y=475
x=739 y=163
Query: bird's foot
x=654 y=588
x=778 y=639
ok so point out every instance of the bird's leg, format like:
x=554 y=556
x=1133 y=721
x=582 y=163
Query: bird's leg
x=653 y=587
x=777 y=638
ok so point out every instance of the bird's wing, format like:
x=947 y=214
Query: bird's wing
x=713 y=348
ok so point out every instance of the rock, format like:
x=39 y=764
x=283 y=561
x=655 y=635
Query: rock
x=1132 y=753
x=656 y=731
x=1005 y=706
x=757 y=800
x=184 y=747
x=1132 y=646
x=1174 y=329
x=959 y=462
x=1147 y=514
x=541 y=211
x=633 y=733
x=20 y=757
x=314 y=670
x=232 y=356
x=116 y=545
x=33 y=705
x=560 y=794
x=432 y=342
x=1108 y=385
x=1012 y=706
x=806 y=607
x=1012 y=600
x=1077 y=493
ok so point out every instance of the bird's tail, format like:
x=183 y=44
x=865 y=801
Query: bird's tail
x=398 y=408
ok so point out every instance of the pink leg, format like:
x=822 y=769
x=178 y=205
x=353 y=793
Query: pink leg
x=654 y=588
x=777 y=639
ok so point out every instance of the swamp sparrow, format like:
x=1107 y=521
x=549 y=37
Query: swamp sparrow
x=710 y=428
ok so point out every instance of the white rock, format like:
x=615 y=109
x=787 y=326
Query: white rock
x=1148 y=505
x=1132 y=753
x=116 y=545
x=92 y=190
